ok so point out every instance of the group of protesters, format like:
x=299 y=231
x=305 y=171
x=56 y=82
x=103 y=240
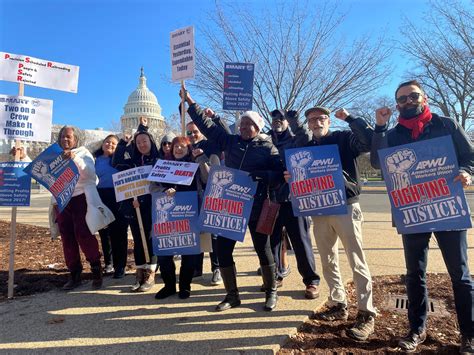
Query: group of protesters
x=209 y=142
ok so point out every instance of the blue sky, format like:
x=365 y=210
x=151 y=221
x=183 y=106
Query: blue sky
x=110 y=40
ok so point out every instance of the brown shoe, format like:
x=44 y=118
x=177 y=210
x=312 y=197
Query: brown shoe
x=311 y=292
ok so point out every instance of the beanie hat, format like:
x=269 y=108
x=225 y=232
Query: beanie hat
x=168 y=138
x=255 y=118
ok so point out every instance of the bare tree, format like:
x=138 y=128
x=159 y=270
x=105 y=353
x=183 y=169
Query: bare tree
x=444 y=55
x=300 y=58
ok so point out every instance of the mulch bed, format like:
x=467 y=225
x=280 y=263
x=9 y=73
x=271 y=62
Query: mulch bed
x=40 y=267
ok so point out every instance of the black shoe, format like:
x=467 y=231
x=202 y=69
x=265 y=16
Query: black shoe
x=73 y=282
x=165 y=292
x=183 y=294
x=119 y=272
x=411 y=341
x=230 y=301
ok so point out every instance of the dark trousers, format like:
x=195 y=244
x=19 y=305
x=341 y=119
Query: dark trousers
x=138 y=250
x=75 y=234
x=453 y=246
x=168 y=271
x=199 y=260
x=298 y=233
x=114 y=238
x=261 y=243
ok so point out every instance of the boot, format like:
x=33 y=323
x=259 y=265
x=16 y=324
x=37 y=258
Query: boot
x=138 y=280
x=96 y=276
x=148 y=280
x=185 y=278
x=269 y=280
x=231 y=300
x=74 y=281
x=169 y=278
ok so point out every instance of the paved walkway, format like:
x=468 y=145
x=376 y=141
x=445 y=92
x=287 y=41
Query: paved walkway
x=112 y=320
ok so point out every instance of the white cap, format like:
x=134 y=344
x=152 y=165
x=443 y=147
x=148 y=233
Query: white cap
x=255 y=117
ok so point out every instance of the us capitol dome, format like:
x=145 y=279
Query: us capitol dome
x=142 y=103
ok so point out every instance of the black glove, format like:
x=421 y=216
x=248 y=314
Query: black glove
x=259 y=175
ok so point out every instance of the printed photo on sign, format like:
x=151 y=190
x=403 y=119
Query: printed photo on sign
x=131 y=183
x=175 y=228
x=227 y=203
x=317 y=182
x=173 y=172
x=238 y=86
x=15 y=184
x=57 y=174
x=38 y=72
x=182 y=54
x=421 y=188
x=25 y=118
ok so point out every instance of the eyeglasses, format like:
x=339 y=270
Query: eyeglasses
x=166 y=143
x=321 y=118
x=414 y=96
x=189 y=133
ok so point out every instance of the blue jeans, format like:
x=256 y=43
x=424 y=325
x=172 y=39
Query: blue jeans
x=453 y=246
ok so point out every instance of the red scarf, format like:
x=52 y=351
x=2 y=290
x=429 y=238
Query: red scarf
x=417 y=123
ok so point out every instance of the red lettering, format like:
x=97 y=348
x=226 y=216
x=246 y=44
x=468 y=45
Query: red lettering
x=20 y=71
x=19 y=78
x=50 y=64
x=27 y=59
x=7 y=55
x=20 y=65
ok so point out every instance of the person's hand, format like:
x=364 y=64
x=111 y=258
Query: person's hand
x=208 y=112
x=184 y=94
x=287 y=176
x=170 y=192
x=136 y=204
x=259 y=175
x=69 y=154
x=21 y=152
x=464 y=177
x=197 y=152
x=382 y=116
x=143 y=121
x=342 y=114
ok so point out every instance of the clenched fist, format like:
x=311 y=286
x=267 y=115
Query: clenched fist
x=342 y=114
x=382 y=116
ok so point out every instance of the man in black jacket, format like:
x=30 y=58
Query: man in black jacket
x=297 y=227
x=417 y=123
x=347 y=227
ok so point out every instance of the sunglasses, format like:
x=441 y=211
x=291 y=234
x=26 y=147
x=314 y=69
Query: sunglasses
x=166 y=143
x=189 y=133
x=414 y=96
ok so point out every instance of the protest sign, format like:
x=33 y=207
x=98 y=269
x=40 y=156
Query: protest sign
x=421 y=188
x=15 y=184
x=38 y=72
x=238 y=86
x=227 y=203
x=173 y=172
x=317 y=183
x=175 y=229
x=25 y=118
x=131 y=183
x=182 y=54
x=57 y=174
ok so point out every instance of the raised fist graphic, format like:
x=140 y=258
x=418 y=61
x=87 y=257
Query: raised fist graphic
x=398 y=165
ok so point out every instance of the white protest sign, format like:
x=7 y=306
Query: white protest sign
x=131 y=183
x=173 y=172
x=38 y=72
x=25 y=118
x=182 y=54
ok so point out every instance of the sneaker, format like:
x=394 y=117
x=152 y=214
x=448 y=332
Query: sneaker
x=311 y=292
x=363 y=327
x=216 y=277
x=337 y=312
x=411 y=341
x=466 y=345
x=285 y=271
x=109 y=269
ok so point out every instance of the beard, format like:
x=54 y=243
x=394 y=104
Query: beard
x=411 y=111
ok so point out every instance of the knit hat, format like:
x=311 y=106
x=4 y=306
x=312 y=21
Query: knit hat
x=322 y=109
x=168 y=138
x=255 y=117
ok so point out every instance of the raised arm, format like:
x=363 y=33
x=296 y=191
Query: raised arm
x=379 y=138
x=302 y=135
x=361 y=139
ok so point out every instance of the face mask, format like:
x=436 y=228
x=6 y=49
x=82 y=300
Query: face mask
x=411 y=111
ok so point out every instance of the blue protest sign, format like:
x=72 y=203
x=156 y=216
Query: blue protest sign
x=238 y=86
x=227 y=202
x=57 y=174
x=317 y=183
x=421 y=188
x=15 y=184
x=175 y=229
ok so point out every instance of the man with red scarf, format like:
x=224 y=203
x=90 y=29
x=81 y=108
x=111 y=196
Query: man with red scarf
x=417 y=123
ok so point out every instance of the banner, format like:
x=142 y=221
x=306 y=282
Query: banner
x=238 y=86
x=317 y=183
x=173 y=172
x=38 y=72
x=182 y=54
x=131 y=183
x=15 y=184
x=419 y=178
x=175 y=229
x=57 y=174
x=25 y=118
x=227 y=202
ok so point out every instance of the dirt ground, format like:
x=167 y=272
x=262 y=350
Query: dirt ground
x=40 y=267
